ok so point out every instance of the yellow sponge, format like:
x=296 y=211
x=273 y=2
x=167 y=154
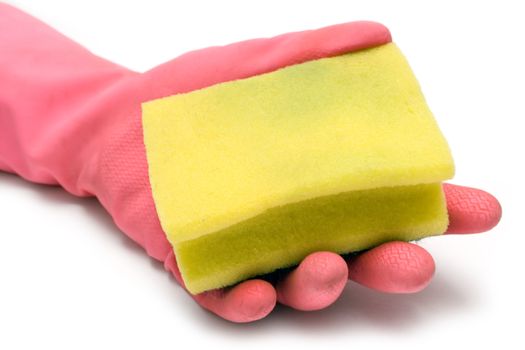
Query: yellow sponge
x=252 y=175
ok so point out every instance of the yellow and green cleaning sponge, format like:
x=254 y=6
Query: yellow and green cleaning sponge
x=252 y=175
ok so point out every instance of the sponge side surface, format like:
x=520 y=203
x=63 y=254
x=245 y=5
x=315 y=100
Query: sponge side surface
x=283 y=236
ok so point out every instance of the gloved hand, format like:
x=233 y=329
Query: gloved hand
x=72 y=119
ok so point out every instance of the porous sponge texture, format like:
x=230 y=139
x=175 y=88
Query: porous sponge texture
x=254 y=174
x=283 y=236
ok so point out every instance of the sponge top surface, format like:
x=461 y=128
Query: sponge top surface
x=225 y=153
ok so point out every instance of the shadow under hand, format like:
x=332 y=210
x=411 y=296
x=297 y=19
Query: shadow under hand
x=360 y=308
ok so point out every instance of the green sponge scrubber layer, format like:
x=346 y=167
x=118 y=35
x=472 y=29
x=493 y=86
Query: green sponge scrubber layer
x=338 y=154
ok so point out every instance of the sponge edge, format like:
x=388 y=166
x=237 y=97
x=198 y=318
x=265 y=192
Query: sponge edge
x=226 y=161
x=283 y=236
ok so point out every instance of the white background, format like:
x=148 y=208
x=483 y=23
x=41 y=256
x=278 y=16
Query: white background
x=70 y=279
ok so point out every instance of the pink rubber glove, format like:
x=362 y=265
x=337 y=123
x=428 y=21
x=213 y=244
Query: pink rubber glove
x=72 y=119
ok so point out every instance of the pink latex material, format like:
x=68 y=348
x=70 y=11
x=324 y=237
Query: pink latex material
x=73 y=119
x=394 y=267
x=471 y=210
x=315 y=284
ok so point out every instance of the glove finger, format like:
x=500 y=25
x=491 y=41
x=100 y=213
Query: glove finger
x=315 y=284
x=470 y=210
x=247 y=301
x=393 y=267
